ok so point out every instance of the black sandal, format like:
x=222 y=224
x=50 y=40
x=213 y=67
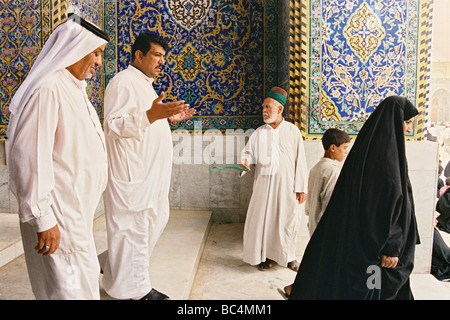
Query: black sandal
x=293 y=265
x=266 y=265
x=155 y=295
x=283 y=294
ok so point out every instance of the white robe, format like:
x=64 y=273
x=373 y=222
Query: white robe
x=59 y=166
x=273 y=214
x=137 y=196
x=321 y=182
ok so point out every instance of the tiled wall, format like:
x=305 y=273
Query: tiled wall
x=24 y=28
x=355 y=53
x=222 y=57
x=225 y=54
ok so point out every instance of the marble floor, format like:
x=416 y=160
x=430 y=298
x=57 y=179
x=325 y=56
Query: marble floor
x=222 y=274
x=198 y=260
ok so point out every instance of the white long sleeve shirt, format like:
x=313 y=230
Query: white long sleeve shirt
x=140 y=153
x=58 y=158
x=321 y=182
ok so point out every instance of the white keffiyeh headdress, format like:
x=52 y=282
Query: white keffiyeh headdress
x=69 y=42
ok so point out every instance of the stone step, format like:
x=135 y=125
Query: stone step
x=10 y=241
x=173 y=263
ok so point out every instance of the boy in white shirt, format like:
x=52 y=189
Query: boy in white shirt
x=323 y=176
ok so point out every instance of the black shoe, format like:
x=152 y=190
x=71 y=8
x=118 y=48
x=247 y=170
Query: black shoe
x=155 y=295
x=266 y=265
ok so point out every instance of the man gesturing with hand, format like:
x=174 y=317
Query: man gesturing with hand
x=139 y=146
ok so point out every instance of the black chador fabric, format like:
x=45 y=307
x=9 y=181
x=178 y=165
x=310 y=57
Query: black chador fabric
x=440 y=261
x=443 y=207
x=370 y=213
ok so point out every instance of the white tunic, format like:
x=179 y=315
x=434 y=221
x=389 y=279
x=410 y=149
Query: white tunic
x=59 y=166
x=321 y=182
x=273 y=214
x=137 y=196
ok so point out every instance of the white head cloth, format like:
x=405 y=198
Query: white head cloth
x=68 y=43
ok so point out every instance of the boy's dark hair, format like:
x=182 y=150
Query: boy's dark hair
x=334 y=136
x=143 y=43
x=447 y=181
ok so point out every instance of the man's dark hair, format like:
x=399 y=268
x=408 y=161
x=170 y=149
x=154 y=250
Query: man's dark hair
x=334 y=136
x=143 y=43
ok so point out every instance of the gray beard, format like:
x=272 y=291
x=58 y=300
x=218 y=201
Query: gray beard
x=271 y=120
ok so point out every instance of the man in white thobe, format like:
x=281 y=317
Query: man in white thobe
x=280 y=186
x=57 y=163
x=139 y=145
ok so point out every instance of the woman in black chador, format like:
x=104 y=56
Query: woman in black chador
x=363 y=247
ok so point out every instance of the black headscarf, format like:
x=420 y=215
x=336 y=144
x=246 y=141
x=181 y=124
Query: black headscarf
x=370 y=213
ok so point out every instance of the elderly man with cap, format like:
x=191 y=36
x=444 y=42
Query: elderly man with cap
x=58 y=164
x=280 y=186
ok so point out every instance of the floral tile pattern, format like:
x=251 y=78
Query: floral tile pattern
x=219 y=59
x=224 y=55
x=25 y=25
x=360 y=51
